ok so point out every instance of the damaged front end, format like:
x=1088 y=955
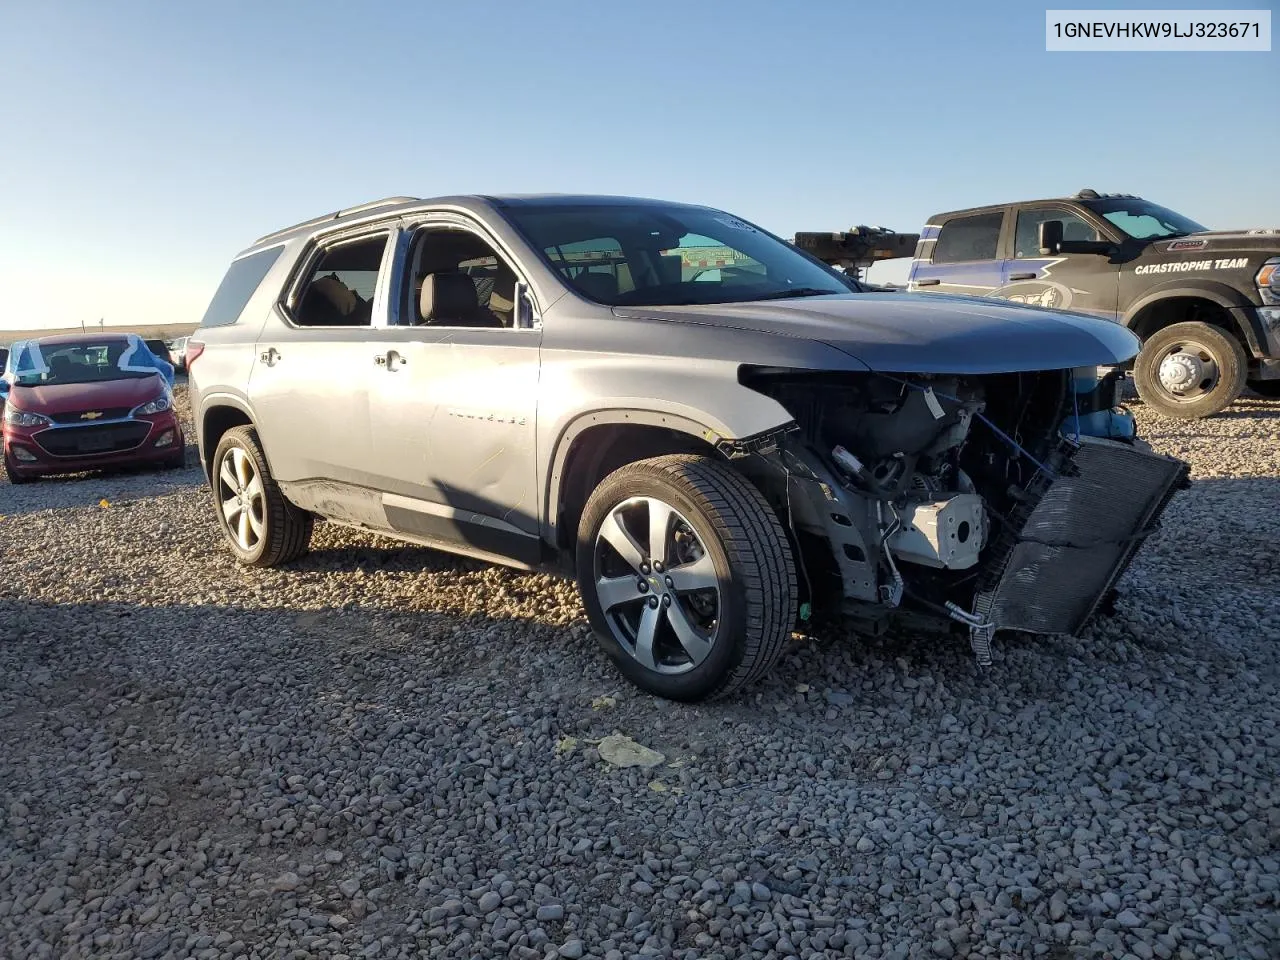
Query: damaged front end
x=988 y=502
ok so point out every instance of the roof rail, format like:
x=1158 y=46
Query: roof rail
x=337 y=214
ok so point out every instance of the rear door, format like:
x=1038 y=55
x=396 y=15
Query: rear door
x=965 y=258
x=1088 y=282
x=309 y=386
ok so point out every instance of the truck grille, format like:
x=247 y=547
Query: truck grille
x=103 y=438
x=1050 y=573
x=103 y=413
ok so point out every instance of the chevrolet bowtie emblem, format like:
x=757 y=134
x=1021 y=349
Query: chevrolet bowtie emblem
x=91 y=415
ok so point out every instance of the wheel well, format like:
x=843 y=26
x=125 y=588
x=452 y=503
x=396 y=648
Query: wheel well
x=1164 y=313
x=217 y=421
x=598 y=451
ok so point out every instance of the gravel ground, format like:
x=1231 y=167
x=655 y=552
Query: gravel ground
x=385 y=752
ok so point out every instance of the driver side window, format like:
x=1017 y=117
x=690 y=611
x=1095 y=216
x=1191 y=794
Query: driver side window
x=457 y=279
x=1026 y=243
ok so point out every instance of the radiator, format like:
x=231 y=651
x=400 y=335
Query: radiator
x=1065 y=552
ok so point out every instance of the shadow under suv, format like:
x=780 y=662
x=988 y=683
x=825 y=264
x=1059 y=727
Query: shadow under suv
x=712 y=431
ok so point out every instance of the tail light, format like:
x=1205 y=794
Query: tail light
x=193 y=350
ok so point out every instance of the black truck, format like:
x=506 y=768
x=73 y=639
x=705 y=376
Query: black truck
x=1205 y=303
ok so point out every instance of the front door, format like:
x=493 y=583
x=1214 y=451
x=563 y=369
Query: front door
x=1087 y=282
x=453 y=403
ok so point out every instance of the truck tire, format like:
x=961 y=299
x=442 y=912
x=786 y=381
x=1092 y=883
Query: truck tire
x=1266 y=388
x=687 y=576
x=262 y=528
x=1190 y=370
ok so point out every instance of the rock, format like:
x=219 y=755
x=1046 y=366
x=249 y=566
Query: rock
x=619 y=750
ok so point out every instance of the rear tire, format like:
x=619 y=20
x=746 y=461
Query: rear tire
x=721 y=603
x=1266 y=388
x=262 y=528
x=1190 y=370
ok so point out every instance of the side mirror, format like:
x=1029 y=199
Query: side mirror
x=1050 y=237
x=1101 y=247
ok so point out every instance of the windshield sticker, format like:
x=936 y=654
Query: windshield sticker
x=1183 y=266
x=735 y=223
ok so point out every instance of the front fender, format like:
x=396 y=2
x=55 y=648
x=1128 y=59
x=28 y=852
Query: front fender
x=704 y=401
x=1241 y=309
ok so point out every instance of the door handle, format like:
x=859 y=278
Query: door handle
x=928 y=283
x=391 y=360
x=1022 y=276
x=269 y=357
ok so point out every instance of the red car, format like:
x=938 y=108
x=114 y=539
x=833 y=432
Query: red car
x=87 y=403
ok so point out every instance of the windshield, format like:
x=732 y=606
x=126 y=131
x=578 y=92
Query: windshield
x=1142 y=220
x=649 y=254
x=88 y=361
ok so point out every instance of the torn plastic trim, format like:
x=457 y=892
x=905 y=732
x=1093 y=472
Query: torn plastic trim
x=765 y=443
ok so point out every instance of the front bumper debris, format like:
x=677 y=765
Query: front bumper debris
x=1073 y=538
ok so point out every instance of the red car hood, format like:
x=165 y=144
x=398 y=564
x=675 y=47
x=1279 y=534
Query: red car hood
x=70 y=397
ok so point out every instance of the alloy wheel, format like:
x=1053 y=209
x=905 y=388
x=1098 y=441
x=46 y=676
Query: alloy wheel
x=240 y=497
x=657 y=585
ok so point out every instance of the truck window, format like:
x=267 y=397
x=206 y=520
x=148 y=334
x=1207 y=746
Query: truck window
x=1026 y=242
x=969 y=238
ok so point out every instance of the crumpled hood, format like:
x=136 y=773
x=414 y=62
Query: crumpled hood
x=56 y=398
x=924 y=333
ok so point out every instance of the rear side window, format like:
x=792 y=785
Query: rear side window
x=238 y=286
x=340 y=287
x=969 y=238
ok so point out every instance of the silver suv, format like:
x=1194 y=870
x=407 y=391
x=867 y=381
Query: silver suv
x=713 y=432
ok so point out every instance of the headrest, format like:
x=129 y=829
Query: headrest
x=337 y=293
x=447 y=296
x=597 y=286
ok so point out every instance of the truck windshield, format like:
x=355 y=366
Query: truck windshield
x=1143 y=220
x=624 y=254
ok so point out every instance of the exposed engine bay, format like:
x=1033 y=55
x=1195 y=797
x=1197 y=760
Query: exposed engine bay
x=1010 y=501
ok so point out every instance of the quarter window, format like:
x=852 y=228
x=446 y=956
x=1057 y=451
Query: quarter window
x=1026 y=242
x=969 y=238
x=241 y=281
x=340 y=287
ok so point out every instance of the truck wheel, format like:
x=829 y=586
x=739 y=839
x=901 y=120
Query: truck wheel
x=262 y=527
x=686 y=575
x=1190 y=370
x=1266 y=388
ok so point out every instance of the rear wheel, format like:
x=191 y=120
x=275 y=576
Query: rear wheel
x=687 y=576
x=262 y=527
x=1266 y=388
x=1190 y=370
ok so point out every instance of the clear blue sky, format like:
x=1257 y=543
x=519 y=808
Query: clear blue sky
x=146 y=143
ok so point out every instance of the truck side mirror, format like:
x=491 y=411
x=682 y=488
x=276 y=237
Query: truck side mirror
x=1050 y=237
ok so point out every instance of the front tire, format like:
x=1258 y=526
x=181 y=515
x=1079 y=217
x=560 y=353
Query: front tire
x=1190 y=370
x=13 y=475
x=687 y=576
x=262 y=528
